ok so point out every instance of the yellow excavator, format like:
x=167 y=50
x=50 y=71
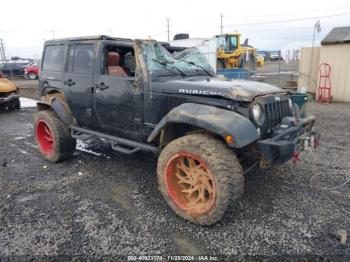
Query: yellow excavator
x=232 y=54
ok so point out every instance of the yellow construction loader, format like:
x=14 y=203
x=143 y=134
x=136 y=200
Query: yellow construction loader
x=9 y=94
x=232 y=54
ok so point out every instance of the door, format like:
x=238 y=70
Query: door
x=117 y=101
x=78 y=81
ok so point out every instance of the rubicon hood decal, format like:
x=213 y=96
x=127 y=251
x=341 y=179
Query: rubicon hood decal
x=200 y=92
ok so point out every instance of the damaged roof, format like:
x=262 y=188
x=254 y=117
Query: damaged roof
x=105 y=37
x=94 y=37
x=338 y=35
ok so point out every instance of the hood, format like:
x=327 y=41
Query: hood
x=7 y=86
x=236 y=89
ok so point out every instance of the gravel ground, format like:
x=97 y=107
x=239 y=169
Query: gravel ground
x=104 y=203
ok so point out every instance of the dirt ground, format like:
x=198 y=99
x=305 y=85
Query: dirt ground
x=102 y=203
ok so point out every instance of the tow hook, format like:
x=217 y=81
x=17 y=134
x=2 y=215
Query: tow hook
x=316 y=143
x=295 y=157
x=311 y=141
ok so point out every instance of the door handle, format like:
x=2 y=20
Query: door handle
x=102 y=86
x=69 y=82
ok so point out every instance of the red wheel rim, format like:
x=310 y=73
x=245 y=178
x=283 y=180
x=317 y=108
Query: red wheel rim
x=189 y=183
x=44 y=137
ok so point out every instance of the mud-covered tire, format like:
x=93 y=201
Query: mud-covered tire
x=53 y=136
x=222 y=165
x=17 y=104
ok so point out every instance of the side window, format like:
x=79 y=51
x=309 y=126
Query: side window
x=81 y=59
x=118 y=60
x=53 y=58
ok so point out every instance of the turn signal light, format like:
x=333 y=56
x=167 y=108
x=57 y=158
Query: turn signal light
x=229 y=139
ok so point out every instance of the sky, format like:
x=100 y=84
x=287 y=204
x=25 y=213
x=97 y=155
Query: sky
x=268 y=24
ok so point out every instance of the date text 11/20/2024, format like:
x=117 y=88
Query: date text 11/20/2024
x=173 y=258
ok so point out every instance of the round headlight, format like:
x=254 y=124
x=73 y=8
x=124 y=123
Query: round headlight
x=258 y=114
x=290 y=102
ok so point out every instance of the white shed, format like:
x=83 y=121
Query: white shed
x=335 y=50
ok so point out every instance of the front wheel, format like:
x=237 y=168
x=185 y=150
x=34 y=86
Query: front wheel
x=17 y=104
x=53 y=136
x=198 y=177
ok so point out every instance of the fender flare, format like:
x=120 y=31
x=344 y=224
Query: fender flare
x=216 y=120
x=59 y=107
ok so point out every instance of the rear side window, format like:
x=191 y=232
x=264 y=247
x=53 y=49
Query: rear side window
x=53 y=58
x=81 y=59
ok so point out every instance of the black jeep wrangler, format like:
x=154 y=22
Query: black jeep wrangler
x=147 y=95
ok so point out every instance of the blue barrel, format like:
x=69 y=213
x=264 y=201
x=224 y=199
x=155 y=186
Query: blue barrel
x=300 y=99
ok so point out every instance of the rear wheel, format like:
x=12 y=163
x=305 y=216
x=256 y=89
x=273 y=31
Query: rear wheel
x=198 y=177
x=32 y=76
x=53 y=137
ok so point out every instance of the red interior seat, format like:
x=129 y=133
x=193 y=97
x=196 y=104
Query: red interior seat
x=113 y=65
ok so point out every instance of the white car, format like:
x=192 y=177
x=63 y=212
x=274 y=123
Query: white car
x=274 y=56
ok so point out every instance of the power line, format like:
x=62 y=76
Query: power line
x=195 y=30
x=289 y=20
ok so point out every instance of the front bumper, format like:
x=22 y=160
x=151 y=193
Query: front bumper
x=5 y=100
x=289 y=140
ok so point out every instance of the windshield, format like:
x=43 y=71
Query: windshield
x=194 y=57
x=189 y=62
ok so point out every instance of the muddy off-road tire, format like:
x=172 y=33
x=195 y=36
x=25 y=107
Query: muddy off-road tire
x=17 y=104
x=53 y=136
x=198 y=176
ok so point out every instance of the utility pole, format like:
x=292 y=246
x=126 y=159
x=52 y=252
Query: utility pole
x=53 y=33
x=168 y=28
x=317 y=29
x=2 y=50
x=221 y=23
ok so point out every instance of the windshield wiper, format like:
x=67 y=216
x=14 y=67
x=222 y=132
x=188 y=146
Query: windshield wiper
x=165 y=63
x=201 y=67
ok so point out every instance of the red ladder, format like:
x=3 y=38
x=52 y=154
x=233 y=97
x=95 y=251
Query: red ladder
x=324 y=84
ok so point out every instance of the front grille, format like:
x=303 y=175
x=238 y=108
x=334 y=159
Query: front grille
x=4 y=94
x=276 y=107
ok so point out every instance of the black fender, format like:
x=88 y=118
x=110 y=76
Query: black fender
x=59 y=107
x=216 y=120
